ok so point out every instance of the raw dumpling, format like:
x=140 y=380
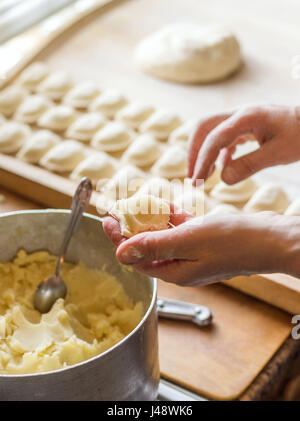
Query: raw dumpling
x=268 y=197
x=223 y=208
x=98 y=166
x=82 y=95
x=55 y=86
x=236 y=193
x=32 y=108
x=161 y=124
x=159 y=187
x=193 y=201
x=12 y=136
x=172 y=163
x=109 y=103
x=33 y=75
x=124 y=183
x=2 y=119
x=141 y=213
x=134 y=114
x=294 y=208
x=10 y=99
x=86 y=126
x=57 y=118
x=38 y=145
x=64 y=157
x=144 y=151
x=181 y=135
x=113 y=137
x=212 y=181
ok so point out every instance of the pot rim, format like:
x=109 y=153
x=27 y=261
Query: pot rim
x=111 y=349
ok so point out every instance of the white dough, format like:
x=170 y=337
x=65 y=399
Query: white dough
x=109 y=103
x=12 y=136
x=189 y=53
x=161 y=123
x=235 y=193
x=32 y=108
x=223 y=209
x=181 y=135
x=294 y=208
x=193 y=201
x=172 y=163
x=134 y=114
x=2 y=119
x=38 y=145
x=115 y=136
x=143 y=151
x=59 y=118
x=86 y=126
x=141 y=213
x=124 y=183
x=269 y=196
x=159 y=187
x=82 y=94
x=55 y=86
x=33 y=75
x=98 y=166
x=64 y=157
x=10 y=99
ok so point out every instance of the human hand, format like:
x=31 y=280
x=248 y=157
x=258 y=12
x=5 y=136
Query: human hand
x=208 y=249
x=276 y=128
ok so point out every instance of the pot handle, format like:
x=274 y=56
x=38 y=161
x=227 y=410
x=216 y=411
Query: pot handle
x=180 y=310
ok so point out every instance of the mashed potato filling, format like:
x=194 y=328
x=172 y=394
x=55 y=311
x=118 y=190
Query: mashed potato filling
x=95 y=315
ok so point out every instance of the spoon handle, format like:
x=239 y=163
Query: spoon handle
x=79 y=204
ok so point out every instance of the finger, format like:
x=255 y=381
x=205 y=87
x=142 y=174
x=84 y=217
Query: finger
x=178 y=216
x=112 y=230
x=152 y=246
x=198 y=137
x=224 y=135
x=238 y=169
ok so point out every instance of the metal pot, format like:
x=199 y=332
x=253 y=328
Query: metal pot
x=127 y=371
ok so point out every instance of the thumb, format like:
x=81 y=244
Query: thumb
x=239 y=169
x=151 y=246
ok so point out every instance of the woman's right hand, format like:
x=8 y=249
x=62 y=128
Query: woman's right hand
x=276 y=128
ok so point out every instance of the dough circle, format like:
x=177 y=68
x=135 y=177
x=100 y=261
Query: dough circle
x=189 y=53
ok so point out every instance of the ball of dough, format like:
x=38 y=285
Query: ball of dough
x=189 y=53
x=64 y=157
x=55 y=86
x=181 y=135
x=144 y=151
x=270 y=197
x=141 y=213
x=235 y=193
x=38 y=145
x=172 y=163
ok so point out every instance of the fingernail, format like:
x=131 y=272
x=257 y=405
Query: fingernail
x=130 y=256
x=229 y=175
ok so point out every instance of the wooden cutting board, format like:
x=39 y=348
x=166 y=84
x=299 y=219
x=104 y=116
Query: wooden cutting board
x=221 y=361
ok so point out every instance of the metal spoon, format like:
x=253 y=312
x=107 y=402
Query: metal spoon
x=54 y=287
